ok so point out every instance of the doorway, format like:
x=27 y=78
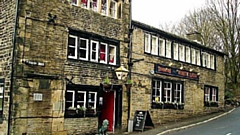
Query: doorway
x=108 y=108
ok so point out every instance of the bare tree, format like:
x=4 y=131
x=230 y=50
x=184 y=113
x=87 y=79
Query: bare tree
x=225 y=18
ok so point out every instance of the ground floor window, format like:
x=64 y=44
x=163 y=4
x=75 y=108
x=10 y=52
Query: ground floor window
x=210 y=96
x=167 y=94
x=80 y=102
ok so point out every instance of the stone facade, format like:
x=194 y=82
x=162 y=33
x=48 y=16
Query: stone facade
x=7 y=26
x=42 y=67
x=193 y=89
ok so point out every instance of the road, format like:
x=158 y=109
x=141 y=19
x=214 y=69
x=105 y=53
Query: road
x=225 y=125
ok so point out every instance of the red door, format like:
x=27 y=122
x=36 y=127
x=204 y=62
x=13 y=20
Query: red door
x=108 y=108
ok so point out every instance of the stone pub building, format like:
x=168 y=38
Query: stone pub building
x=56 y=54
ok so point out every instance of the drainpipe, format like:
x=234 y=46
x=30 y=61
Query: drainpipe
x=130 y=64
x=12 y=68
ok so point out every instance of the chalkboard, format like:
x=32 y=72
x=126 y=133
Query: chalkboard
x=141 y=120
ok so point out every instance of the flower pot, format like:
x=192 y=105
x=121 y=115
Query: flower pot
x=106 y=86
x=128 y=86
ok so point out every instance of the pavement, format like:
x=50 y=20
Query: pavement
x=181 y=124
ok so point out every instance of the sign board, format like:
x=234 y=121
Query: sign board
x=166 y=70
x=142 y=120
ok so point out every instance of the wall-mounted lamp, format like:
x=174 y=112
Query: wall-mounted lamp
x=198 y=74
x=170 y=64
x=191 y=70
x=121 y=72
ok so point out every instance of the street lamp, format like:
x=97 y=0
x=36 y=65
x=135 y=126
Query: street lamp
x=121 y=72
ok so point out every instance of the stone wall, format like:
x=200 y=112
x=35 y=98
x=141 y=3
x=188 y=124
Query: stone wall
x=7 y=21
x=47 y=43
x=193 y=90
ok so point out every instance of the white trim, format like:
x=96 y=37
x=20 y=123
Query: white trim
x=95 y=101
x=114 y=55
x=154 y=50
x=193 y=56
x=106 y=11
x=162 y=47
x=115 y=9
x=85 y=98
x=147 y=43
x=106 y=52
x=181 y=53
x=73 y=97
x=188 y=54
x=176 y=50
x=86 y=49
x=198 y=57
x=75 y=4
x=73 y=46
x=96 y=51
x=169 y=49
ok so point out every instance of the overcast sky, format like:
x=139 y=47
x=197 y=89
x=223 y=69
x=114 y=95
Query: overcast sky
x=155 y=12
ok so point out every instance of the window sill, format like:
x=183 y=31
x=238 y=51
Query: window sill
x=210 y=104
x=167 y=106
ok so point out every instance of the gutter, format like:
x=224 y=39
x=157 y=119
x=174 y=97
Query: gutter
x=12 y=68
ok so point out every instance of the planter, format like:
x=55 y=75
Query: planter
x=80 y=113
x=90 y=113
x=107 y=86
x=128 y=86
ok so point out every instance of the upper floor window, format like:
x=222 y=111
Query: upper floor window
x=92 y=50
x=188 y=54
x=85 y=4
x=212 y=62
x=74 y=2
x=154 y=46
x=198 y=57
x=113 y=8
x=181 y=53
x=147 y=42
x=168 y=49
x=193 y=56
x=95 y=5
x=175 y=49
x=161 y=47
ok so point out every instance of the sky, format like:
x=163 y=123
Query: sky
x=156 y=12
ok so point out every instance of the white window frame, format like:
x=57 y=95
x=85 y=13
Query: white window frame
x=207 y=94
x=93 y=8
x=208 y=60
x=193 y=56
x=176 y=90
x=154 y=48
x=169 y=49
x=188 y=54
x=85 y=98
x=106 y=52
x=95 y=101
x=115 y=53
x=96 y=51
x=88 y=4
x=182 y=53
x=74 y=46
x=113 y=10
x=75 y=4
x=212 y=61
x=175 y=49
x=73 y=97
x=161 y=47
x=198 y=57
x=214 y=94
x=155 y=95
x=1 y=95
x=147 y=43
x=86 y=58
x=166 y=90
x=104 y=12
x=204 y=59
